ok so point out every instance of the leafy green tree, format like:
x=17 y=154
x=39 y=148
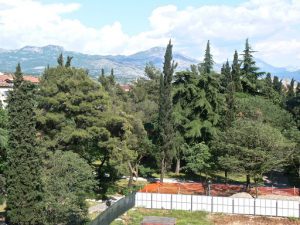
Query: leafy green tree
x=67 y=179
x=23 y=173
x=254 y=148
x=165 y=117
x=263 y=110
x=208 y=62
x=197 y=157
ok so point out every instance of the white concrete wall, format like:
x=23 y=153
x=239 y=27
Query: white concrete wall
x=3 y=94
x=247 y=206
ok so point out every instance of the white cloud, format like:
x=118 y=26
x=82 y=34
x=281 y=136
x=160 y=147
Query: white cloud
x=271 y=25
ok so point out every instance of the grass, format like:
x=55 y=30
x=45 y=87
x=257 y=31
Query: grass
x=135 y=216
x=217 y=177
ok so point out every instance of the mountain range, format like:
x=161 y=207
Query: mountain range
x=126 y=68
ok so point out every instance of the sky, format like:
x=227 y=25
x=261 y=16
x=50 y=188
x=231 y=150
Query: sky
x=127 y=26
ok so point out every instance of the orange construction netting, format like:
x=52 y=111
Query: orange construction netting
x=215 y=189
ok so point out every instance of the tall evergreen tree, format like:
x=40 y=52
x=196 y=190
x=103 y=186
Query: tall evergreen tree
x=249 y=70
x=24 y=191
x=208 y=62
x=226 y=71
x=277 y=84
x=236 y=71
x=60 y=60
x=165 y=120
x=291 y=89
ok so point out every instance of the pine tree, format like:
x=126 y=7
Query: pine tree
x=249 y=70
x=23 y=173
x=165 y=120
x=208 y=62
x=236 y=72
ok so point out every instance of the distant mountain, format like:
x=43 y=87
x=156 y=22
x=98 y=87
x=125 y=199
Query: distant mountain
x=127 y=68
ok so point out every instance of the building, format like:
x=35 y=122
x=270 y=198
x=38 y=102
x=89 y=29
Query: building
x=6 y=84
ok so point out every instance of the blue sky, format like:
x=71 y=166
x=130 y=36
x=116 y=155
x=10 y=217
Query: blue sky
x=127 y=26
x=132 y=13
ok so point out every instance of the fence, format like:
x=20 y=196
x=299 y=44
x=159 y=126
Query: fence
x=115 y=210
x=215 y=189
x=265 y=207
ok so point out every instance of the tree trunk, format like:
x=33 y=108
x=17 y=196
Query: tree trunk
x=162 y=170
x=130 y=180
x=247 y=182
x=226 y=176
x=177 y=170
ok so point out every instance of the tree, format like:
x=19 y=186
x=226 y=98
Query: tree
x=23 y=173
x=208 y=62
x=67 y=179
x=165 y=117
x=60 y=60
x=197 y=158
x=291 y=89
x=69 y=59
x=249 y=70
x=277 y=85
x=254 y=148
x=236 y=72
x=226 y=72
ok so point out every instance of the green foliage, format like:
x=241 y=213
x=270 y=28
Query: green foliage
x=208 y=62
x=72 y=112
x=253 y=147
x=263 y=110
x=249 y=70
x=23 y=173
x=197 y=158
x=165 y=117
x=67 y=180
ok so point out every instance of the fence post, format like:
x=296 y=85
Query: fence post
x=299 y=210
x=254 y=207
x=276 y=208
x=151 y=201
x=171 y=201
x=212 y=204
x=191 y=202
x=233 y=206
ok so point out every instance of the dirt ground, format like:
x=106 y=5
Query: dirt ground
x=222 y=219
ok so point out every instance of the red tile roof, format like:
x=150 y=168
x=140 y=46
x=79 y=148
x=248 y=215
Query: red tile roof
x=8 y=78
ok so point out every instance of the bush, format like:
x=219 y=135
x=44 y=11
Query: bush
x=145 y=171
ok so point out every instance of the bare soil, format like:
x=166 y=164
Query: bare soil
x=222 y=219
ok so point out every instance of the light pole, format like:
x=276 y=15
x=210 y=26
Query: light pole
x=209 y=183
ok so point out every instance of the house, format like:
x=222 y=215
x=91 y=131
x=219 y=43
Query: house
x=6 y=84
x=126 y=87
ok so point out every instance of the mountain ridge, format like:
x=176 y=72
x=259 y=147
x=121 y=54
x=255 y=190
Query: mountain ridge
x=126 y=67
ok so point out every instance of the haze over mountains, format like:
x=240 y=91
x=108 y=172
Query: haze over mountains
x=126 y=68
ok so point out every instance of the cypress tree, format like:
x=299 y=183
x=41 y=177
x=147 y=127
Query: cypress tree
x=24 y=195
x=277 y=85
x=236 y=71
x=291 y=89
x=60 y=60
x=165 y=120
x=208 y=62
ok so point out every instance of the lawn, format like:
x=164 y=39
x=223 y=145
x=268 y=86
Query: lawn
x=135 y=216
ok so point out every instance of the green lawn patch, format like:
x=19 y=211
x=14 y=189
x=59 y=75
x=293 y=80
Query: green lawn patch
x=135 y=216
